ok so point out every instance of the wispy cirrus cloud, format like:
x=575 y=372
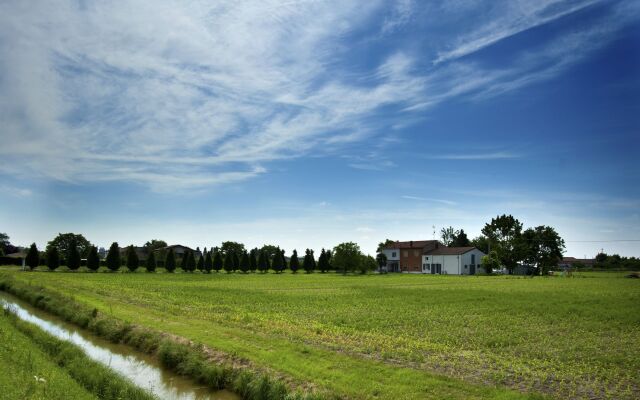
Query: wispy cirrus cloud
x=418 y=198
x=194 y=94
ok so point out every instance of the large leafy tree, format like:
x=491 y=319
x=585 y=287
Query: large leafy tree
x=447 y=235
x=294 y=263
x=217 y=261
x=367 y=263
x=133 y=262
x=461 y=239
x=113 y=257
x=170 y=261
x=184 y=261
x=346 y=256
x=236 y=260
x=481 y=243
x=229 y=265
x=150 y=262
x=385 y=244
x=73 y=256
x=309 y=262
x=64 y=240
x=505 y=237
x=154 y=244
x=53 y=258
x=233 y=247
x=33 y=257
x=543 y=247
x=490 y=262
x=270 y=250
x=93 y=260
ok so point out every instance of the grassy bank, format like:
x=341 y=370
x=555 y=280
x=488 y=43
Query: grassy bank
x=393 y=336
x=27 y=373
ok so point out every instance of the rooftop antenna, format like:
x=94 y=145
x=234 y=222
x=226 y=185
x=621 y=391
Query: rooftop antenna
x=434 y=232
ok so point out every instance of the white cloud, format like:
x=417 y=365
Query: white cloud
x=174 y=94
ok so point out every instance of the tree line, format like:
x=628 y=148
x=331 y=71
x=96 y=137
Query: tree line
x=69 y=249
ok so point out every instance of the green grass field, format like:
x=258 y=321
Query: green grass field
x=395 y=336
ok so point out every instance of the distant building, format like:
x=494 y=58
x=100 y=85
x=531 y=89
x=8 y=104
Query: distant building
x=178 y=250
x=568 y=262
x=432 y=257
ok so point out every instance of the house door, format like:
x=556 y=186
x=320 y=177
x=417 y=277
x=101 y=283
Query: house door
x=472 y=270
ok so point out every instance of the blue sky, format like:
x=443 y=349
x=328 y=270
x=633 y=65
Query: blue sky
x=309 y=123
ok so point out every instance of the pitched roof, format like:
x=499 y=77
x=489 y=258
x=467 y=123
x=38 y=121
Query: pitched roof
x=412 y=244
x=448 y=251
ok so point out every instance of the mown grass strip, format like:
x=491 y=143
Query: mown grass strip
x=183 y=358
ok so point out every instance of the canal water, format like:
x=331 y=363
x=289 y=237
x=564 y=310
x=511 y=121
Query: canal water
x=145 y=371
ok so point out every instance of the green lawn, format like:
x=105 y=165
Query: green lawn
x=21 y=361
x=395 y=336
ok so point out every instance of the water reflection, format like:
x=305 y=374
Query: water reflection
x=140 y=368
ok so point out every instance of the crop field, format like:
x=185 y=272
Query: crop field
x=395 y=336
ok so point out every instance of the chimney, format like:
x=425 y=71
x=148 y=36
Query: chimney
x=411 y=243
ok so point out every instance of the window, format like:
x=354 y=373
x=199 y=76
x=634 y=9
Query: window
x=473 y=259
x=416 y=253
x=426 y=258
x=393 y=254
x=405 y=253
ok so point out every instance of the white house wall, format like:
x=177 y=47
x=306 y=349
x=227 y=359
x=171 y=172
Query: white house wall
x=389 y=253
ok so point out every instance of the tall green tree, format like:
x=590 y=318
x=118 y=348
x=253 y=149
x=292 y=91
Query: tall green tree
x=294 y=263
x=309 y=262
x=236 y=260
x=543 y=247
x=505 y=237
x=208 y=263
x=33 y=257
x=217 y=261
x=200 y=263
x=53 y=258
x=323 y=264
x=229 y=265
x=73 y=256
x=263 y=262
x=253 y=262
x=113 y=257
x=150 y=262
x=346 y=257
x=4 y=241
x=133 y=262
x=184 y=260
x=170 y=261
x=93 y=260
x=461 y=239
x=270 y=250
x=276 y=263
x=191 y=262
x=244 y=262
x=64 y=240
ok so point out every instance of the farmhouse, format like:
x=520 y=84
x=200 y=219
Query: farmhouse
x=179 y=250
x=432 y=257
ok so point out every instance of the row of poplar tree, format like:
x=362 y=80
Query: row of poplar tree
x=229 y=261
